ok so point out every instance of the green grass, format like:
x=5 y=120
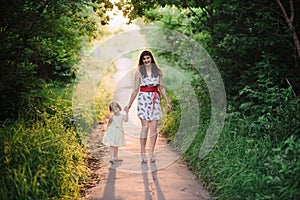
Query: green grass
x=248 y=161
x=241 y=167
x=257 y=153
x=42 y=160
x=42 y=157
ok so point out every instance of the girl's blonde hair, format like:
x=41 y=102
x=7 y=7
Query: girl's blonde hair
x=114 y=104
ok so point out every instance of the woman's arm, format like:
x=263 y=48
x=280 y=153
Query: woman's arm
x=135 y=91
x=163 y=92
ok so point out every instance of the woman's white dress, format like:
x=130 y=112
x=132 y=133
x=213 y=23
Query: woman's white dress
x=114 y=133
x=145 y=108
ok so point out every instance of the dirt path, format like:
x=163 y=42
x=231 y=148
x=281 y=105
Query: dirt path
x=168 y=178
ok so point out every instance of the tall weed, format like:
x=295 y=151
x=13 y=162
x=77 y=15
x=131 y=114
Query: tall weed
x=243 y=167
x=41 y=160
x=42 y=156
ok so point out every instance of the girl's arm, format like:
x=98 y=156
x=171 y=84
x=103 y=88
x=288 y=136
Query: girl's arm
x=135 y=91
x=109 y=121
x=163 y=92
x=125 y=118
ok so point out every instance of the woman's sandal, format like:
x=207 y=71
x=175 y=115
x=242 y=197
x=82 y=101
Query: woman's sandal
x=152 y=160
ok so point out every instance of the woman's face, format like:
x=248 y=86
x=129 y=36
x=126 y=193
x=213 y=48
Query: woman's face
x=147 y=60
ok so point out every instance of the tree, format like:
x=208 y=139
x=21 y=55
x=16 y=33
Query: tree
x=40 y=42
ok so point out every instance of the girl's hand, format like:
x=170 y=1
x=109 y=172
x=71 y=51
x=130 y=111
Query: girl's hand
x=126 y=109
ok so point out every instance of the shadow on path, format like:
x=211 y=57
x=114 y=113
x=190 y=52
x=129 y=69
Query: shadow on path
x=160 y=194
x=152 y=189
x=147 y=190
x=109 y=190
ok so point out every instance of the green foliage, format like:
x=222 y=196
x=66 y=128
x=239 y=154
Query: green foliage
x=240 y=167
x=271 y=108
x=42 y=155
x=40 y=41
x=44 y=158
x=172 y=120
x=256 y=154
x=273 y=111
x=103 y=95
x=283 y=169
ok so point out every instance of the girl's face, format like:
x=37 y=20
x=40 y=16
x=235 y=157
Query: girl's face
x=147 y=60
x=115 y=109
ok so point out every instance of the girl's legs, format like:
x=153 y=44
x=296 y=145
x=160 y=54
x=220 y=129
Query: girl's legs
x=153 y=138
x=115 y=152
x=143 y=139
x=116 y=149
x=112 y=154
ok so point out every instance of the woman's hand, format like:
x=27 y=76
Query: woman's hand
x=169 y=107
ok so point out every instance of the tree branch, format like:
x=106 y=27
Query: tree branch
x=292 y=11
x=200 y=18
x=27 y=36
x=289 y=22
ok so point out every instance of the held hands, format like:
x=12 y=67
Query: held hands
x=126 y=109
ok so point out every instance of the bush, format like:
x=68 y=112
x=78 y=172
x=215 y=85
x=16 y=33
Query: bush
x=242 y=166
x=40 y=160
x=42 y=156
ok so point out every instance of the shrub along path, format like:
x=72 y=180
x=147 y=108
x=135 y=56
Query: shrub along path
x=168 y=178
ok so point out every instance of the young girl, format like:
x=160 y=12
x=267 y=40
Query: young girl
x=114 y=136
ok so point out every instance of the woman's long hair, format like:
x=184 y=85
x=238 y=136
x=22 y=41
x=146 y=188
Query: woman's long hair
x=154 y=68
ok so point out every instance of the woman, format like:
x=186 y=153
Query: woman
x=148 y=86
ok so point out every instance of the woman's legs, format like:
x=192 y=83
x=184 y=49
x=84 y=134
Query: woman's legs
x=143 y=138
x=153 y=138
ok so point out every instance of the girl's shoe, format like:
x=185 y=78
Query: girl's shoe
x=112 y=162
x=119 y=159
